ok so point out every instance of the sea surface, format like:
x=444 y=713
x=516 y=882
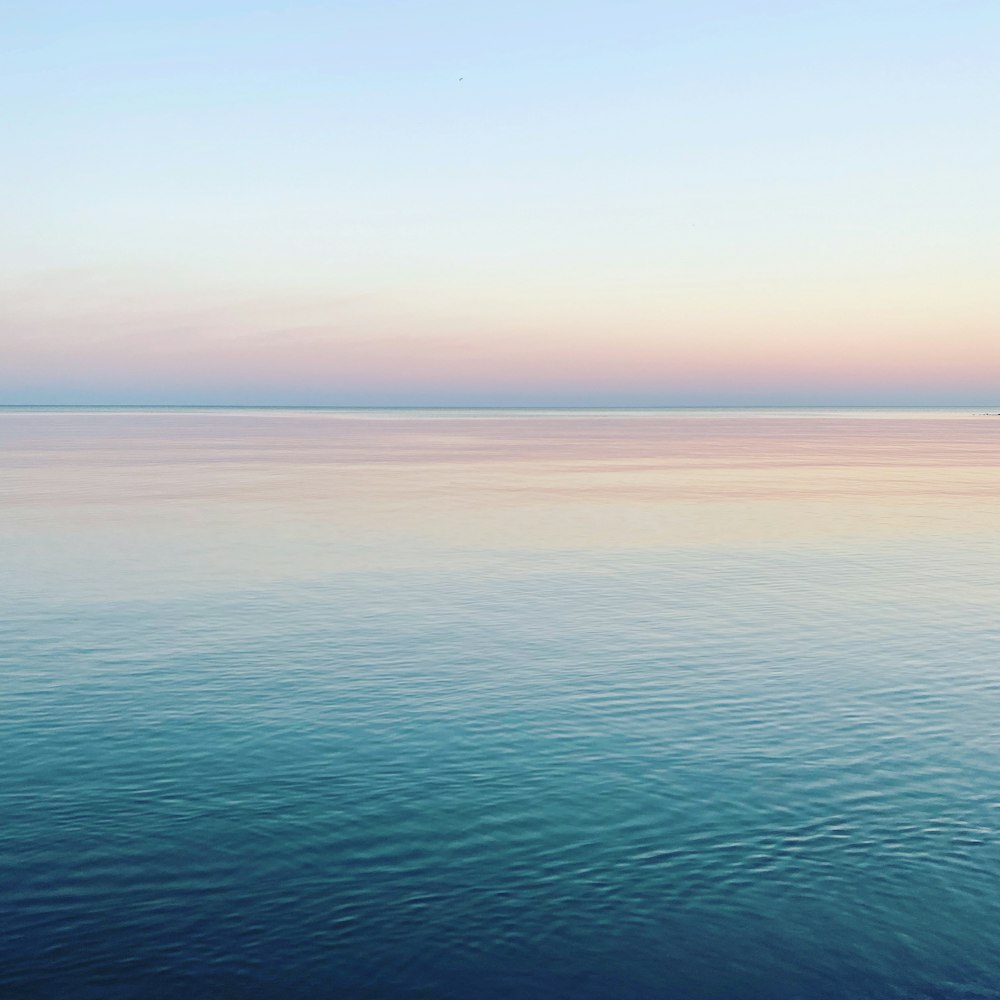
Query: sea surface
x=489 y=704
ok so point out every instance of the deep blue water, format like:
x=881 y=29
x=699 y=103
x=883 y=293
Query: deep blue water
x=575 y=706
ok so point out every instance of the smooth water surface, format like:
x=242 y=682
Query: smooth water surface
x=574 y=705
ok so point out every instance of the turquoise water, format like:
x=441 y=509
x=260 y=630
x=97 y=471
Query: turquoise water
x=482 y=704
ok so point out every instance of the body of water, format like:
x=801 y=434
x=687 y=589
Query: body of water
x=488 y=704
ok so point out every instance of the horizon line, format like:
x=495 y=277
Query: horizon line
x=500 y=406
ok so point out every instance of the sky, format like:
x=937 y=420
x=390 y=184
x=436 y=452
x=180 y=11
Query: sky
x=534 y=202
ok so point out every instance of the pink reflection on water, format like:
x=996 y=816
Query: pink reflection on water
x=241 y=495
x=740 y=439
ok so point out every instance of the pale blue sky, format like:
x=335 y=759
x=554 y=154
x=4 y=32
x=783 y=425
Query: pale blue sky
x=301 y=202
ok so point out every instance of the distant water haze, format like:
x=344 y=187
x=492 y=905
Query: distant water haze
x=384 y=487
x=387 y=703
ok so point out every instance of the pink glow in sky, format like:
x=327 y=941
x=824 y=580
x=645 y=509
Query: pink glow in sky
x=657 y=204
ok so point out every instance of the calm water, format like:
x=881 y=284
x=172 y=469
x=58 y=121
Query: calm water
x=306 y=704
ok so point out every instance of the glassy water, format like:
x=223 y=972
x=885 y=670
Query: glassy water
x=577 y=705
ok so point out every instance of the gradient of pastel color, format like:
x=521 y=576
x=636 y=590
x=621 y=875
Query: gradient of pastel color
x=527 y=203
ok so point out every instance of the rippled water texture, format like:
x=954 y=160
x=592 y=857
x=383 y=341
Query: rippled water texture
x=307 y=704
